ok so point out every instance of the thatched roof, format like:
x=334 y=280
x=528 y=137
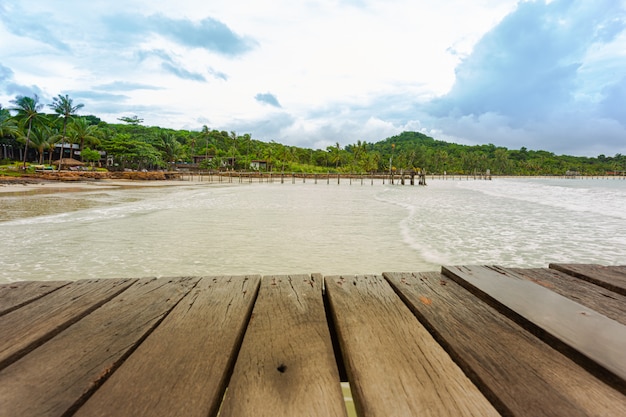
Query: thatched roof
x=69 y=162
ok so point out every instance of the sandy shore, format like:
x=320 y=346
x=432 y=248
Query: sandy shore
x=20 y=185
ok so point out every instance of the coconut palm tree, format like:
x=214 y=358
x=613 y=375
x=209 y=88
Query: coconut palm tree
x=170 y=148
x=27 y=109
x=41 y=140
x=64 y=107
x=7 y=123
x=8 y=128
x=233 y=150
x=82 y=132
x=335 y=154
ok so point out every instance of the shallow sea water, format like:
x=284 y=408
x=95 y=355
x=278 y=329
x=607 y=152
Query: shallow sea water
x=231 y=229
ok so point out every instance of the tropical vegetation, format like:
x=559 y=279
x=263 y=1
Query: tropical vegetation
x=29 y=135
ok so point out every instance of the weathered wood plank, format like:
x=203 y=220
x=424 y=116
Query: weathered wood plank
x=588 y=332
x=607 y=277
x=394 y=365
x=181 y=369
x=17 y=294
x=286 y=365
x=24 y=329
x=600 y=299
x=58 y=376
x=618 y=268
x=520 y=374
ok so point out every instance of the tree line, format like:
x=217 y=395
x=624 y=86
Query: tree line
x=32 y=135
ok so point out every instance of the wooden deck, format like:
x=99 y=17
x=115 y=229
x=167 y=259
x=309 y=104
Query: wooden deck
x=466 y=341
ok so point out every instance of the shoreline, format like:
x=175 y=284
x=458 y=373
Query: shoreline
x=22 y=185
x=70 y=182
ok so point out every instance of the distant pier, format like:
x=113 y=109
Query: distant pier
x=464 y=341
x=406 y=178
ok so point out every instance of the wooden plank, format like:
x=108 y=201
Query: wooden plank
x=611 y=278
x=17 y=294
x=28 y=327
x=181 y=369
x=286 y=366
x=57 y=377
x=618 y=268
x=519 y=373
x=394 y=365
x=588 y=332
x=600 y=299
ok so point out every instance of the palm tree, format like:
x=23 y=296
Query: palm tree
x=41 y=140
x=170 y=147
x=64 y=107
x=205 y=134
x=82 y=131
x=233 y=136
x=27 y=109
x=335 y=154
x=267 y=154
x=7 y=123
x=8 y=128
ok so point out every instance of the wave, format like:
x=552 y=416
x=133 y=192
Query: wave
x=602 y=197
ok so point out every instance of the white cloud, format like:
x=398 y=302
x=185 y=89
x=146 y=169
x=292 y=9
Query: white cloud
x=332 y=70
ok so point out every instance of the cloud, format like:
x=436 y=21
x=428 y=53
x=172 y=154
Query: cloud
x=526 y=81
x=169 y=64
x=182 y=73
x=126 y=86
x=613 y=105
x=209 y=34
x=30 y=25
x=267 y=98
x=547 y=74
x=145 y=54
x=6 y=74
x=9 y=87
x=217 y=74
x=97 y=95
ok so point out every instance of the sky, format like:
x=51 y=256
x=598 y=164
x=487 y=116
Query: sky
x=545 y=75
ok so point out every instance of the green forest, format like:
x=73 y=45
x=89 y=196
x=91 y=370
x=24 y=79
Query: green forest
x=31 y=136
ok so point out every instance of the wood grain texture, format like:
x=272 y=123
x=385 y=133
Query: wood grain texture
x=520 y=374
x=394 y=365
x=181 y=369
x=24 y=329
x=17 y=294
x=600 y=299
x=58 y=376
x=618 y=268
x=588 y=332
x=612 y=278
x=286 y=365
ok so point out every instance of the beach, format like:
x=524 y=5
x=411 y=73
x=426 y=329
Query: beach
x=113 y=228
x=9 y=185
